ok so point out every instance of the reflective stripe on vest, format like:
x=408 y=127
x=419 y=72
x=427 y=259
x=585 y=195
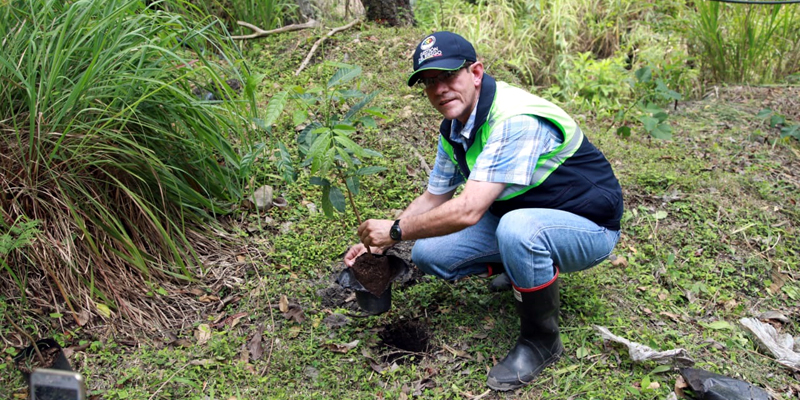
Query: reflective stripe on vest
x=510 y=101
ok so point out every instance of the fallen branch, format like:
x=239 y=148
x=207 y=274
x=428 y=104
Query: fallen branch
x=314 y=47
x=261 y=33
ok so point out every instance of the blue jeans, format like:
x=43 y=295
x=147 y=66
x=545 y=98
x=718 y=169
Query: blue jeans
x=529 y=242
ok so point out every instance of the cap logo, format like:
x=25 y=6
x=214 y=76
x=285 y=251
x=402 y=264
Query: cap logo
x=430 y=53
x=427 y=43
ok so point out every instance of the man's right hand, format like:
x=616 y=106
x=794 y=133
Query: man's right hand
x=357 y=250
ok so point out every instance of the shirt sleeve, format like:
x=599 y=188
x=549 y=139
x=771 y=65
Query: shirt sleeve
x=444 y=176
x=512 y=150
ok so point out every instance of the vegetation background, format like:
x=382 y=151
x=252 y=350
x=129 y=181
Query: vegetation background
x=134 y=136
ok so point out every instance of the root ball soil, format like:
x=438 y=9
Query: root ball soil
x=373 y=272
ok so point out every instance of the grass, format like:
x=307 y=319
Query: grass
x=747 y=43
x=709 y=237
x=105 y=144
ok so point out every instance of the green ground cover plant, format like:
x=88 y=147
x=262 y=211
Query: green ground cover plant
x=709 y=237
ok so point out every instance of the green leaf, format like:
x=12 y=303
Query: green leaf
x=321 y=144
x=368 y=121
x=652 y=108
x=315 y=180
x=344 y=129
x=720 y=325
x=661 y=368
x=320 y=129
x=372 y=153
x=249 y=158
x=776 y=120
x=791 y=130
x=661 y=116
x=327 y=206
x=346 y=158
x=350 y=145
x=661 y=214
x=349 y=93
x=275 y=107
x=649 y=123
x=582 y=352
x=56 y=315
x=764 y=113
x=337 y=199
x=284 y=165
x=103 y=310
x=299 y=116
x=645 y=382
x=644 y=74
x=370 y=170
x=352 y=184
x=376 y=112
x=624 y=131
x=662 y=131
x=344 y=75
x=358 y=106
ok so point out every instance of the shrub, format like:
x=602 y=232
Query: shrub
x=106 y=143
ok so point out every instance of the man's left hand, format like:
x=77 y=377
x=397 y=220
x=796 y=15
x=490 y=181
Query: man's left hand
x=375 y=232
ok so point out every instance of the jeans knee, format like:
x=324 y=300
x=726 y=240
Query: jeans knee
x=429 y=258
x=510 y=232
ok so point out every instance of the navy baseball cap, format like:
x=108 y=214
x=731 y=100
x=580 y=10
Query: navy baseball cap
x=445 y=51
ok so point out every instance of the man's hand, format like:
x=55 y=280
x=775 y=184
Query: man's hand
x=357 y=250
x=375 y=232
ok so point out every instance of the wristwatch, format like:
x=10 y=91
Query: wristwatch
x=395 y=233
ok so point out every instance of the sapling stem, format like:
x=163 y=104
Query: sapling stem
x=29 y=337
x=355 y=210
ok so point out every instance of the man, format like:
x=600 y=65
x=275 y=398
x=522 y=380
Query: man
x=539 y=198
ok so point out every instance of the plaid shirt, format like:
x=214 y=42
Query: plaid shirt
x=509 y=156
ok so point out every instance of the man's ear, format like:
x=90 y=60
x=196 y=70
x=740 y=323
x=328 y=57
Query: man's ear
x=477 y=73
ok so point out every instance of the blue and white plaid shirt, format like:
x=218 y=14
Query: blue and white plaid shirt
x=509 y=156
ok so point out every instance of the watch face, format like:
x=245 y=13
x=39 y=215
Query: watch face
x=395 y=233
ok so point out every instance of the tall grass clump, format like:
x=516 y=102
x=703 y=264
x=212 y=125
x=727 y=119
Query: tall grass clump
x=537 y=39
x=104 y=143
x=739 y=43
x=266 y=14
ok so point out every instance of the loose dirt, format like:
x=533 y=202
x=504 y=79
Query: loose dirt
x=373 y=272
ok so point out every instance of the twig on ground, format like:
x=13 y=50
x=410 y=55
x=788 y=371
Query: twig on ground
x=422 y=161
x=33 y=342
x=478 y=397
x=261 y=33
x=271 y=340
x=314 y=47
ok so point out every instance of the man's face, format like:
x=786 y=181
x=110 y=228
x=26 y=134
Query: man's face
x=456 y=95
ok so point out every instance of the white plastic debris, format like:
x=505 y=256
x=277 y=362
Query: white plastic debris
x=639 y=352
x=780 y=345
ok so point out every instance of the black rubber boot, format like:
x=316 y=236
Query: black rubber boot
x=539 y=343
x=500 y=281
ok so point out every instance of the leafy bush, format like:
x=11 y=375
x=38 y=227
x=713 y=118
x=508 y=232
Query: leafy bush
x=536 y=39
x=332 y=114
x=105 y=143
